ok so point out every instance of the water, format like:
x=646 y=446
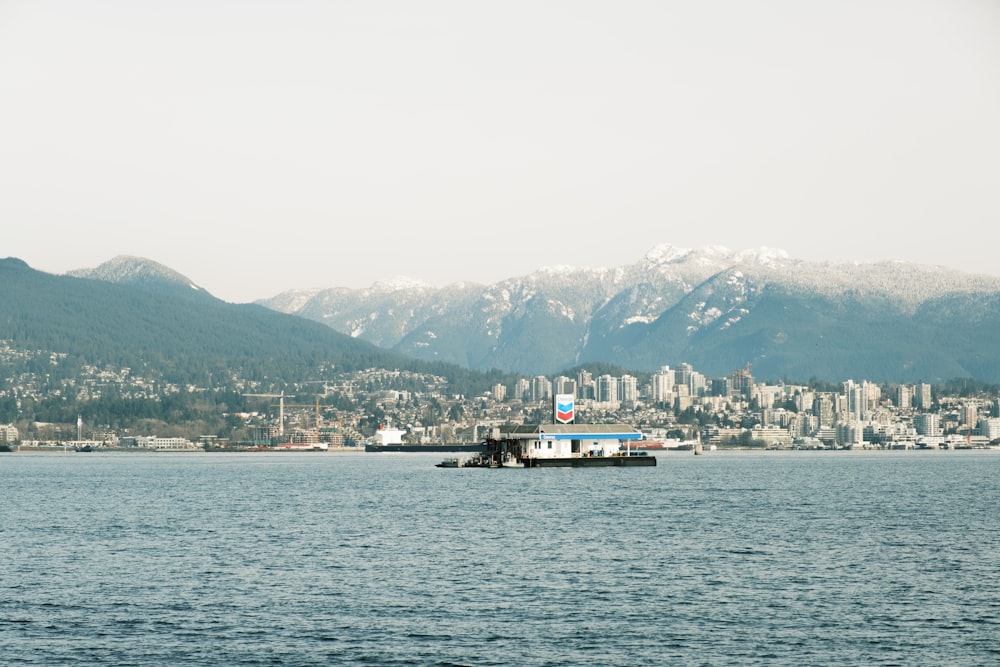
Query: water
x=875 y=558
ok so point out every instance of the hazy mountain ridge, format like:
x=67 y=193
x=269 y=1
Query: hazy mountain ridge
x=143 y=273
x=712 y=307
x=145 y=324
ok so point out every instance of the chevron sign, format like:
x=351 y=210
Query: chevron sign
x=564 y=408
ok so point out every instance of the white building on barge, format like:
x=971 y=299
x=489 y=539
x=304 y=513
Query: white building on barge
x=570 y=445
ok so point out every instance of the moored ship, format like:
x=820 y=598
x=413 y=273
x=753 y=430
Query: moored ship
x=391 y=440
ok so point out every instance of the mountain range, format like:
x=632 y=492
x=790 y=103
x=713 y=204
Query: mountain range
x=716 y=309
x=137 y=314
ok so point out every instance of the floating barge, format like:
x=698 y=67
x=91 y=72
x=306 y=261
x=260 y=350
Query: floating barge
x=560 y=446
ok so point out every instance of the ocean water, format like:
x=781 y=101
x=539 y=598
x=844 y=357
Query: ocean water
x=802 y=558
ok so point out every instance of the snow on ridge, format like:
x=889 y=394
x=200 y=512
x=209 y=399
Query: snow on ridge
x=125 y=268
x=399 y=283
x=666 y=253
x=558 y=269
x=763 y=255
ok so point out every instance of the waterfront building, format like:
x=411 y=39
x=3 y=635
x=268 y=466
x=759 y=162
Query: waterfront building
x=850 y=433
x=928 y=424
x=989 y=428
x=156 y=443
x=8 y=433
x=772 y=436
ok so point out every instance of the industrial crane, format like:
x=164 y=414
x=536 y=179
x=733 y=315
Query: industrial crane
x=281 y=408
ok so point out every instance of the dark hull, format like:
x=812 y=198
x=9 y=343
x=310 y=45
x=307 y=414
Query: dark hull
x=592 y=462
x=426 y=448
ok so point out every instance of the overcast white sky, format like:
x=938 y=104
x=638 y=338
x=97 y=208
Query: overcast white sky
x=260 y=146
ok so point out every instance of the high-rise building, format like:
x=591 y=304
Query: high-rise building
x=822 y=408
x=989 y=427
x=928 y=424
x=663 y=385
x=541 y=388
x=923 y=396
x=968 y=415
x=523 y=389
x=499 y=392
x=903 y=397
x=564 y=385
x=628 y=389
x=742 y=382
x=698 y=384
x=857 y=400
x=607 y=389
x=585 y=385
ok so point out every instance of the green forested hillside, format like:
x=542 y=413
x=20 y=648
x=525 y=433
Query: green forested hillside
x=185 y=340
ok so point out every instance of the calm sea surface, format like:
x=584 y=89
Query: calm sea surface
x=869 y=558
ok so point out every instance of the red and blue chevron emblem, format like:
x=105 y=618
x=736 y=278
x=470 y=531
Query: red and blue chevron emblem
x=564 y=408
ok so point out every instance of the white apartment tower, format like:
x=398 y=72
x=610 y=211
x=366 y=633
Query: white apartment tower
x=923 y=396
x=663 y=385
x=903 y=397
x=628 y=389
x=928 y=424
x=607 y=389
x=541 y=388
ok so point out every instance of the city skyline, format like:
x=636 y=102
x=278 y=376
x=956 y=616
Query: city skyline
x=261 y=147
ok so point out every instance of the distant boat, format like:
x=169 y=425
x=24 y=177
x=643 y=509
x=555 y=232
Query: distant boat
x=391 y=440
x=302 y=447
x=467 y=462
x=649 y=445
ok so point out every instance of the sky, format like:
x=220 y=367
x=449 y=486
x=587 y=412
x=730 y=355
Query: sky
x=257 y=147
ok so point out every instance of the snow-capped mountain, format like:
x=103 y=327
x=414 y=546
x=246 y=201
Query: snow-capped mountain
x=145 y=273
x=712 y=307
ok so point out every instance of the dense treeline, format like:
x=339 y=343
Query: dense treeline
x=199 y=341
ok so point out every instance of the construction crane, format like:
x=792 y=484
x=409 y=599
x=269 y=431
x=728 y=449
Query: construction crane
x=281 y=408
x=308 y=405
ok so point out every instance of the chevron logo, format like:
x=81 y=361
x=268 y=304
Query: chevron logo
x=564 y=408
